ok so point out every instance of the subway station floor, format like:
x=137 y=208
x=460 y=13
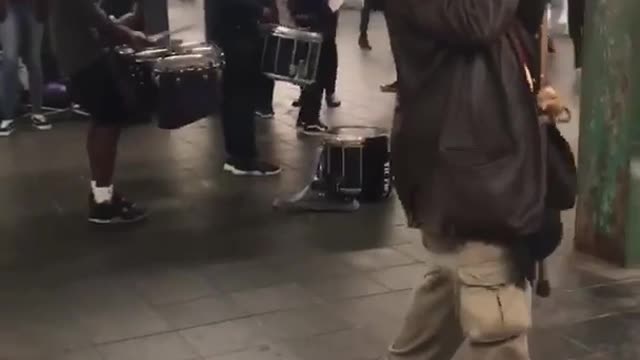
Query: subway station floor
x=217 y=274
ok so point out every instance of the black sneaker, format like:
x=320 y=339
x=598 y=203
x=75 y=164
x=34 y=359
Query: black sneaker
x=333 y=101
x=363 y=42
x=7 y=127
x=40 y=122
x=265 y=115
x=251 y=168
x=315 y=129
x=390 y=88
x=296 y=103
x=116 y=211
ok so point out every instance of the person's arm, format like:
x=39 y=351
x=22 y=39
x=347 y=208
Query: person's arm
x=89 y=11
x=132 y=19
x=464 y=22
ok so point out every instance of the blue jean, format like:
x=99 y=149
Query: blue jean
x=20 y=35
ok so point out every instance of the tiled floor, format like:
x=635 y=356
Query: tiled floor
x=217 y=274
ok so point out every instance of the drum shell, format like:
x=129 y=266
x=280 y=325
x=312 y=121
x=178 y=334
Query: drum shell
x=291 y=59
x=358 y=169
x=186 y=96
x=138 y=86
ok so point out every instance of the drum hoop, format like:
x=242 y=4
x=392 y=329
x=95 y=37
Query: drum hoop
x=163 y=65
x=296 y=34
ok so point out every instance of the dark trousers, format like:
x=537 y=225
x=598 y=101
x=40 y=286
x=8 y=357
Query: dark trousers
x=365 y=17
x=264 y=93
x=576 y=28
x=311 y=97
x=241 y=76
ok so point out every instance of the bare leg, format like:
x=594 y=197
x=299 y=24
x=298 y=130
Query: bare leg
x=102 y=148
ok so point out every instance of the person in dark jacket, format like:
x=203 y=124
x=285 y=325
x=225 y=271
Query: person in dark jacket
x=21 y=34
x=318 y=17
x=238 y=31
x=80 y=35
x=463 y=105
x=576 y=29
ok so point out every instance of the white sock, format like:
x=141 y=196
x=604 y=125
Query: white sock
x=101 y=194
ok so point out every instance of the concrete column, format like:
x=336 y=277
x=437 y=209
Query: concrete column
x=608 y=211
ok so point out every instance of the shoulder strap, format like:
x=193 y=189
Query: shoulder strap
x=522 y=58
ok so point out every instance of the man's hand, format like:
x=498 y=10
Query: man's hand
x=138 y=40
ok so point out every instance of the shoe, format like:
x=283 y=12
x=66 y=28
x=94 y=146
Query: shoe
x=551 y=46
x=390 y=88
x=296 y=103
x=40 y=122
x=116 y=211
x=251 y=168
x=363 y=42
x=265 y=115
x=7 y=127
x=314 y=129
x=333 y=101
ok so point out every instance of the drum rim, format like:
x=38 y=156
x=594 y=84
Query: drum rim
x=333 y=138
x=295 y=34
x=161 y=65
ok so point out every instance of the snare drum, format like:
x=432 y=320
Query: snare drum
x=291 y=55
x=188 y=88
x=356 y=163
x=137 y=67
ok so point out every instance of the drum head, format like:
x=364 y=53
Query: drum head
x=125 y=51
x=186 y=62
x=296 y=34
x=152 y=54
x=354 y=134
x=210 y=50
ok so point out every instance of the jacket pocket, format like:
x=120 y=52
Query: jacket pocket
x=492 y=306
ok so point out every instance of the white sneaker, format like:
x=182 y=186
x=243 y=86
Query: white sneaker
x=40 y=122
x=7 y=127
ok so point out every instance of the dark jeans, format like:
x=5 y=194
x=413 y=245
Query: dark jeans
x=365 y=17
x=576 y=28
x=264 y=89
x=311 y=97
x=241 y=76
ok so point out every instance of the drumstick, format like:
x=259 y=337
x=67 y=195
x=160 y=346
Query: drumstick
x=165 y=34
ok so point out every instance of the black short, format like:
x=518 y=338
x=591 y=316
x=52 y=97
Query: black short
x=97 y=91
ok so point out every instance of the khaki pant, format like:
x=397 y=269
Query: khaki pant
x=475 y=291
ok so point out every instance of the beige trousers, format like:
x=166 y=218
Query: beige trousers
x=475 y=291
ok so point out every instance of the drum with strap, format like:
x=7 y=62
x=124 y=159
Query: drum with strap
x=291 y=55
x=188 y=86
x=355 y=163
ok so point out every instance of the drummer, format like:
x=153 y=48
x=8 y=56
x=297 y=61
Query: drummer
x=318 y=16
x=79 y=30
x=239 y=36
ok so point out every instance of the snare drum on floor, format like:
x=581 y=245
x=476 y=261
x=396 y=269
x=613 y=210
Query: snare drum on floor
x=291 y=55
x=356 y=163
x=188 y=88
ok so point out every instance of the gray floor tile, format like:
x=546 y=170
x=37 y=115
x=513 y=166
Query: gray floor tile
x=169 y=346
x=344 y=345
x=287 y=296
x=200 y=312
x=344 y=287
x=172 y=286
x=401 y=277
x=300 y=324
x=226 y=337
x=376 y=259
